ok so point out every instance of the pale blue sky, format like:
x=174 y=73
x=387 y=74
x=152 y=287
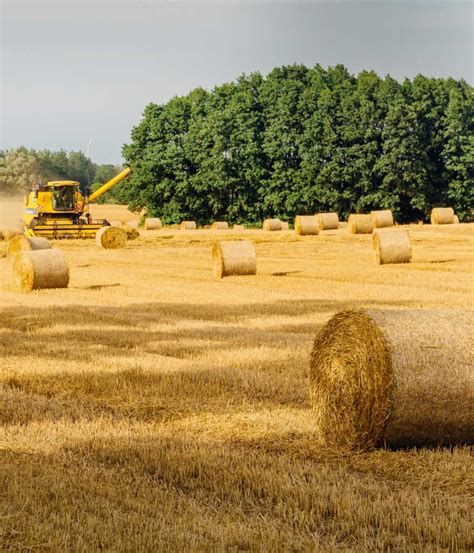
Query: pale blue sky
x=71 y=71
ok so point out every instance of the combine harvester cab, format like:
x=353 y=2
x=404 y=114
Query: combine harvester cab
x=58 y=210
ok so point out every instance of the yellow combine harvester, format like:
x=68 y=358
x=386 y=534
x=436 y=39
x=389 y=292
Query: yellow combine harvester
x=59 y=210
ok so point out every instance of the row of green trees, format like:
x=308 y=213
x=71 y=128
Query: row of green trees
x=303 y=140
x=20 y=167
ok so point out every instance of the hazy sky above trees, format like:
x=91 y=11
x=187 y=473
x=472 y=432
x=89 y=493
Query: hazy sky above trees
x=74 y=71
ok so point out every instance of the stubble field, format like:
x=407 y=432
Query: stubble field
x=149 y=407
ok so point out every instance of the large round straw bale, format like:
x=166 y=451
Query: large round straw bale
x=238 y=227
x=111 y=238
x=234 y=258
x=152 y=223
x=328 y=221
x=188 y=225
x=21 y=243
x=403 y=378
x=456 y=220
x=360 y=224
x=383 y=218
x=391 y=246
x=220 y=225
x=272 y=224
x=285 y=225
x=34 y=270
x=132 y=232
x=133 y=223
x=306 y=224
x=442 y=216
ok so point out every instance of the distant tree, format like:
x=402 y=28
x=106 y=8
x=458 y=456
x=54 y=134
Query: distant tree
x=18 y=170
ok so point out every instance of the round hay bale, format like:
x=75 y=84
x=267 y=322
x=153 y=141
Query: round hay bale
x=132 y=224
x=403 y=378
x=153 y=223
x=111 y=238
x=238 y=227
x=306 y=225
x=188 y=225
x=456 y=220
x=272 y=224
x=285 y=225
x=132 y=233
x=391 y=246
x=35 y=270
x=360 y=224
x=234 y=258
x=328 y=221
x=382 y=219
x=442 y=216
x=219 y=225
x=20 y=243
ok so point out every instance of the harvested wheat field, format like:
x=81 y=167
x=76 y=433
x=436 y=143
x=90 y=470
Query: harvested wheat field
x=151 y=407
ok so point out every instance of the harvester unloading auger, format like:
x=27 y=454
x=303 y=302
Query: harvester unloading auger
x=58 y=209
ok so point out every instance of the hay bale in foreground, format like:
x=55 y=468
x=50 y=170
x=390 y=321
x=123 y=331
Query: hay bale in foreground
x=220 y=225
x=152 y=223
x=35 y=270
x=272 y=224
x=132 y=233
x=442 y=216
x=456 y=220
x=111 y=238
x=328 y=221
x=20 y=243
x=285 y=225
x=238 y=227
x=234 y=258
x=188 y=225
x=306 y=225
x=403 y=378
x=360 y=224
x=391 y=246
x=382 y=219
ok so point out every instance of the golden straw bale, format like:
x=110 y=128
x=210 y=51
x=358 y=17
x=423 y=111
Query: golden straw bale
x=220 y=225
x=234 y=258
x=152 y=223
x=403 y=378
x=456 y=220
x=360 y=224
x=272 y=224
x=328 y=221
x=238 y=227
x=111 y=238
x=188 y=225
x=383 y=218
x=132 y=233
x=21 y=243
x=39 y=269
x=285 y=225
x=306 y=224
x=391 y=246
x=442 y=216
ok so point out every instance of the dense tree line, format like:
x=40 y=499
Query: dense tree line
x=304 y=140
x=20 y=167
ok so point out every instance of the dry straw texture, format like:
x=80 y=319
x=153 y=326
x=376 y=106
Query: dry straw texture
x=328 y=221
x=272 y=224
x=442 y=216
x=403 y=378
x=360 y=224
x=234 y=258
x=391 y=246
x=39 y=269
x=456 y=220
x=20 y=243
x=306 y=224
x=132 y=232
x=152 y=223
x=111 y=238
x=133 y=223
x=238 y=227
x=285 y=225
x=383 y=218
x=188 y=225
x=220 y=225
